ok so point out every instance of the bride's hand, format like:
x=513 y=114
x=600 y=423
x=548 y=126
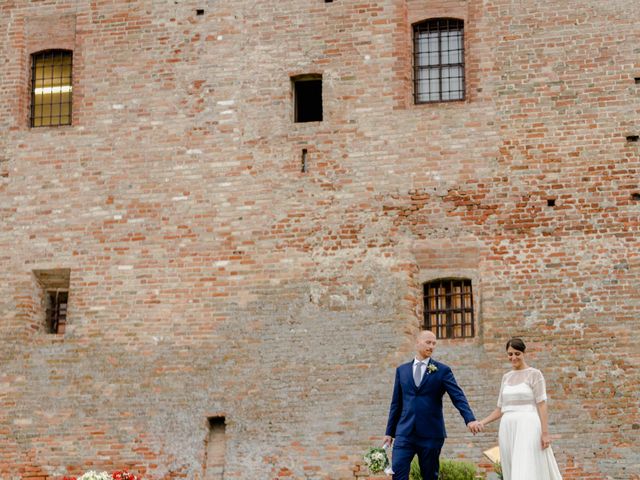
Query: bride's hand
x=545 y=440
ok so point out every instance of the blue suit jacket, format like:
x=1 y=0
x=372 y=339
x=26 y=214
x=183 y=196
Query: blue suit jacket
x=418 y=410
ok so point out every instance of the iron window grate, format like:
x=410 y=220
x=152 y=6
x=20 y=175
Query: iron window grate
x=448 y=308
x=57 y=310
x=439 y=60
x=51 y=88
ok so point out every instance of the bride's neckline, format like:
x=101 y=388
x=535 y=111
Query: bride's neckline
x=521 y=370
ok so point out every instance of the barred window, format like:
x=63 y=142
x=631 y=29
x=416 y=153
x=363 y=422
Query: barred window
x=438 y=46
x=448 y=308
x=55 y=288
x=51 y=88
x=56 y=311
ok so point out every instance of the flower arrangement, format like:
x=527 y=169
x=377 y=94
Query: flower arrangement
x=124 y=475
x=376 y=460
x=431 y=368
x=92 y=475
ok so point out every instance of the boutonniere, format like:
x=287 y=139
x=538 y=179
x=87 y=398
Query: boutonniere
x=431 y=368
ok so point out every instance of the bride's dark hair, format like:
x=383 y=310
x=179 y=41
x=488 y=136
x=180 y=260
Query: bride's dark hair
x=517 y=344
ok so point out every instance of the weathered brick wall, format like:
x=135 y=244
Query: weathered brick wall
x=210 y=277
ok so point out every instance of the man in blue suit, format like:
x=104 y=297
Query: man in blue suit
x=416 y=422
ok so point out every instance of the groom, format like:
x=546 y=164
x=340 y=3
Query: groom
x=415 y=416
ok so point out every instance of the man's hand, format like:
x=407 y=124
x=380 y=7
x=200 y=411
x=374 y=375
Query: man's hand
x=475 y=427
x=387 y=441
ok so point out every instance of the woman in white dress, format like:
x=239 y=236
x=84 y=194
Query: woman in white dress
x=525 y=452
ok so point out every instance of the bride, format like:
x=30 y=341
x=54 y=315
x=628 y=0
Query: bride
x=525 y=452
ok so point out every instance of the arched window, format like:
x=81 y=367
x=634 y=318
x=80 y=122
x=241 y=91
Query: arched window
x=438 y=60
x=448 y=308
x=51 y=88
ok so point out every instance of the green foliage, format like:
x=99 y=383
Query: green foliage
x=498 y=469
x=414 y=473
x=449 y=470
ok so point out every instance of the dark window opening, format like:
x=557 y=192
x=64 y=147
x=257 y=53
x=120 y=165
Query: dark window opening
x=551 y=202
x=308 y=98
x=633 y=138
x=448 y=308
x=635 y=196
x=200 y=11
x=637 y=80
x=51 y=88
x=56 y=311
x=438 y=60
x=55 y=297
x=215 y=449
x=303 y=167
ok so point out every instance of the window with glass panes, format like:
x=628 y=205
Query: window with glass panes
x=438 y=60
x=51 y=88
x=448 y=308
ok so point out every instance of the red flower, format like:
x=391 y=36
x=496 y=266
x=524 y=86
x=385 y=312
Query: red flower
x=124 y=475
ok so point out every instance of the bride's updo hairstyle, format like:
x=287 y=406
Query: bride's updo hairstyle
x=517 y=344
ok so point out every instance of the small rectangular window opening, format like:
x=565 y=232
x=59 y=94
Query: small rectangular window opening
x=551 y=202
x=637 y=80
x=448 y=308
x=200 y=11
x=56 y=311
x=635 y=196
x=303 y=166
x=51 y=88
x=307 y=92
x=633 y=138
x=55 y=289
x=438 y=60
x=215 y=448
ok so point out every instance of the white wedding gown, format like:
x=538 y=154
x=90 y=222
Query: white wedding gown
x=521 y=454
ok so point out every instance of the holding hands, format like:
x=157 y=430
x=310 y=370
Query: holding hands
x=475 y=427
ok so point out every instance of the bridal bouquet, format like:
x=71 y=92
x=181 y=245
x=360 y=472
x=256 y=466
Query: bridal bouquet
x=119 y=475
x=124 y=475
x=377 y=461
x=91 y=475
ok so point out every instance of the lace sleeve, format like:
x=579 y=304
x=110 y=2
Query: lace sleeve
x=538 y=386
x=500 y=394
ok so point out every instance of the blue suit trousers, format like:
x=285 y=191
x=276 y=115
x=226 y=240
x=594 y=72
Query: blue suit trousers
x=427 y=450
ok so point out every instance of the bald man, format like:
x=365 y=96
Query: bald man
x=416 y=421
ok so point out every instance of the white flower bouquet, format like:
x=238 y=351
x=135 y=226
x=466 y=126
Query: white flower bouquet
x=91 y=475
x=377 y=461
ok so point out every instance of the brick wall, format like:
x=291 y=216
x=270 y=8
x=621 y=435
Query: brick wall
x=210 y=277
